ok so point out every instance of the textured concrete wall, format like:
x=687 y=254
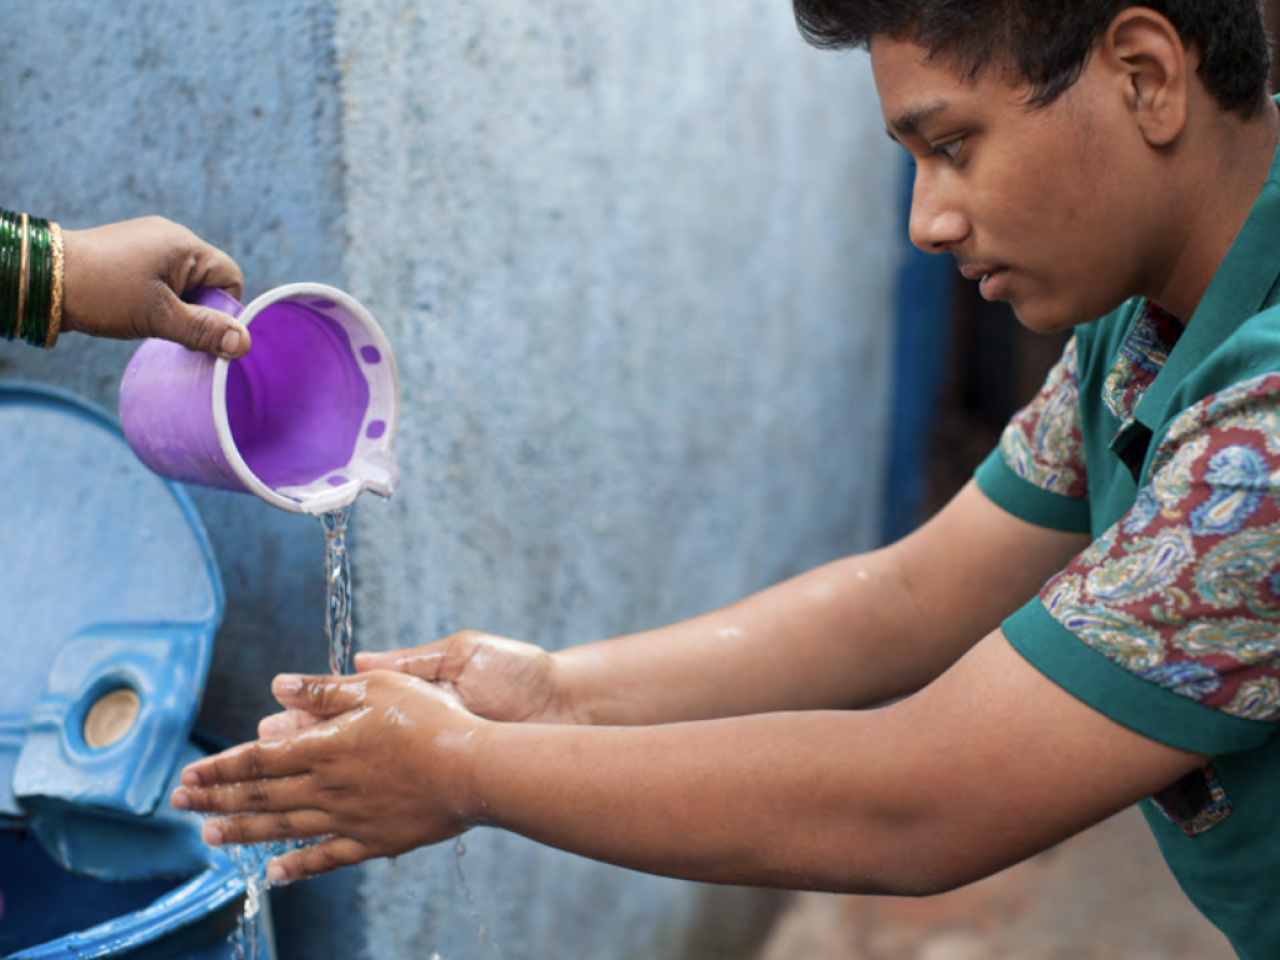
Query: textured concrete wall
x=636 y=264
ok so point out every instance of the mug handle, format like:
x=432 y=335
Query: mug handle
x=215 y=298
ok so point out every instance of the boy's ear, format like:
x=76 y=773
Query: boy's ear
x=1155 y=67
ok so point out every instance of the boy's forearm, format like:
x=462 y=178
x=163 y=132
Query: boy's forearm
x=751 y=801
x=842 y=636
x=855 y=633
x=986 y=766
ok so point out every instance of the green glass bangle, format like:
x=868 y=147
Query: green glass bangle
x=14 y=273
x=6 y=276
x=46 y=286
x=33 y=283
x=9 y=275
x=39 y=328
x=36 y=322
x=24 y=271
x=9 y=301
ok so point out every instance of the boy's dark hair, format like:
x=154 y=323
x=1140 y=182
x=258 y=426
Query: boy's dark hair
x=1048 y=42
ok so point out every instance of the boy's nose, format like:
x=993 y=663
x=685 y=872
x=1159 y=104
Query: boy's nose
x=935 y=227
x=938 y=233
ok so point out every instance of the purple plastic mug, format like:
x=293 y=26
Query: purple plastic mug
x=306 y=420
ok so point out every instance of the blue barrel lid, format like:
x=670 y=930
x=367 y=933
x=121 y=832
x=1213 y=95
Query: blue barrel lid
x=108 y=583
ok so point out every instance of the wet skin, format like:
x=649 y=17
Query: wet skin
x=855 y=801
x=648 y=750
x=369 y=767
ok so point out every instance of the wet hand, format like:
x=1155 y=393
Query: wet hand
x=493 y=677
x=384 y=768
x=125 y=281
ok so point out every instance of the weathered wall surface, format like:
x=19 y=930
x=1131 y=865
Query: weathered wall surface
x=636 y=262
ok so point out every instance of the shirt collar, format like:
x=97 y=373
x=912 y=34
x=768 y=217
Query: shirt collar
x=1142 y=356
x=1238 y=291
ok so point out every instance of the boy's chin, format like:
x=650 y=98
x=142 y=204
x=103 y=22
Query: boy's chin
x=1048 y=318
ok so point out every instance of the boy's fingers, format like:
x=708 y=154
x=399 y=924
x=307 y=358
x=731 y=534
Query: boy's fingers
x=262 y=796
x=286 y=723
x=312 y=861
x=425 y=664
x=266 y=827
x=249 y=761
x=365 y=662
x=320 y=696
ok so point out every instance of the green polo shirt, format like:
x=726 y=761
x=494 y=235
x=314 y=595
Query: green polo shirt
x=1164 y=445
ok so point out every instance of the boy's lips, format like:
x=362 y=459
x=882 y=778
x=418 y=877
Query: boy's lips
x=993 y=277
x=976 y=270
x=994 y=284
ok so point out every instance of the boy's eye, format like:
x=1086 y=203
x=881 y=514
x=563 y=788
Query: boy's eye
x=950 y=150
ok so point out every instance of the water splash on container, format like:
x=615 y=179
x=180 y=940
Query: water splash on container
x=250 y=861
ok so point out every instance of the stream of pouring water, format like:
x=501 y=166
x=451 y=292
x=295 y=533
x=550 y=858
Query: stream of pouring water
x=251 y=859
x=337 y=591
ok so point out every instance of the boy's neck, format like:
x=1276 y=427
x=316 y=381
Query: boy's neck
x=1224 y=168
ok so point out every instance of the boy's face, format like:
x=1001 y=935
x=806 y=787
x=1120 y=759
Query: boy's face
x=1054 y=209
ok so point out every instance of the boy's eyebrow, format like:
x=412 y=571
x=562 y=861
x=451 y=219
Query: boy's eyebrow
x=907 y=123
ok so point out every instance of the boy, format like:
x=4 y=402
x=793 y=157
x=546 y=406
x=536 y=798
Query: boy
x=1091 y=622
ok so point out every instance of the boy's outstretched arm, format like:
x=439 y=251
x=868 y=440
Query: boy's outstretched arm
x=986 y=766
x=854 y=633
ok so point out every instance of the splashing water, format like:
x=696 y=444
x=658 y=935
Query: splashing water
x=251 y=860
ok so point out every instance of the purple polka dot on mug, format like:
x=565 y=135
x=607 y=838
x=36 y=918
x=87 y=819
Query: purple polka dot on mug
x=376 y=429
x=338 y=481
x=370 y=355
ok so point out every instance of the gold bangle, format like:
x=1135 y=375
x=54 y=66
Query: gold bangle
x=59 y=271
x=24 y=263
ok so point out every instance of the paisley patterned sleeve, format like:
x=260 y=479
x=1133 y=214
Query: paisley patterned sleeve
x=1184 y=592
x=1043 y=443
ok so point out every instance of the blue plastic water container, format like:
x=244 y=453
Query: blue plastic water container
x=111 y=599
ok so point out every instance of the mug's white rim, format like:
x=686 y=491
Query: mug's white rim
x=347 y=493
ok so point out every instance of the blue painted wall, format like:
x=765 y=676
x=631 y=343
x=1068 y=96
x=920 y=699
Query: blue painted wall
x=926 y=288
x=637 y=262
